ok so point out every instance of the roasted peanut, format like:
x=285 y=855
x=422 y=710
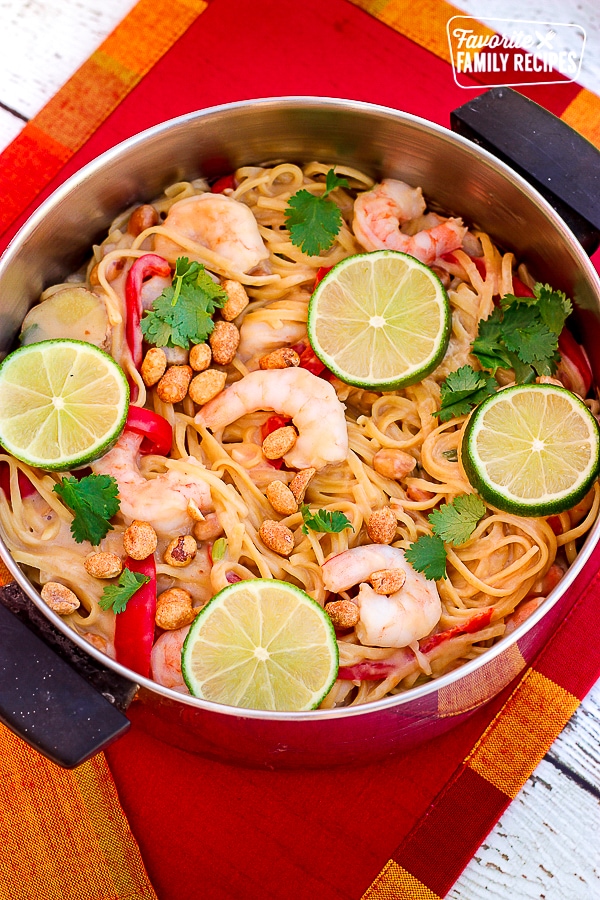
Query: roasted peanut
x=209 y=529
x=200 y=357
x=181 y=550
x=343 y=613
x=112 y=269
x=381 y=525
x=206 y=385
x=281 y=498
x=97 y=641
x=103 y=565
x=59 y=598
x=237 y=299
x=299 y=483
x=153 y=366
x=393 y=463
x=174 y=384
x=279 y=442
x=276 y=537
x=387 y=581
x=224 y=341
x=174 y=609
x=142 y=217
x=139 y=540
x=284 y=358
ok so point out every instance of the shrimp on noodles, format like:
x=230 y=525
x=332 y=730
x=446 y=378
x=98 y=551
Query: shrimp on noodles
x=166 y=659
x=379 y=213
x=221 y=224
x=310 y=402
x=163 y=500
x=397 y=619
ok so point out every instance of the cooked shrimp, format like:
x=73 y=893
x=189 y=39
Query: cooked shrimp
x=310 y=402
x=379 y=213
x=397 y=620
x=221 y=224
x=166 y=659
x=162 y=501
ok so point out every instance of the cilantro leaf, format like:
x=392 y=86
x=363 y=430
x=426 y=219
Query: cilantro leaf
x=526 y=335
x=183 y=312
x=93 y=500
x=462 y=390
x=116 y=596
x=314 y=221
x=554 y=307
x=325 y=521
x=455 y=522
x=522 y=334
x=428 y=555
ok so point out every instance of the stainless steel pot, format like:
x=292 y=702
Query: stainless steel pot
x=460 y=178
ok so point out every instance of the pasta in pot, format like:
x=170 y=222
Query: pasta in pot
x=358 y=452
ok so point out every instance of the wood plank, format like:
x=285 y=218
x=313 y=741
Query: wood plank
x=43 y=43
x=545 y=847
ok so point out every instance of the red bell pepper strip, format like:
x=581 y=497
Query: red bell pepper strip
x=157 y=432
x=477 y=260
x=575 y=353
x=134 y=627
x=520 y=289
x=144 y=267
x=222 y=184
x=475 y=623
x=25 y=486
x=309 y=361
x=321 y=273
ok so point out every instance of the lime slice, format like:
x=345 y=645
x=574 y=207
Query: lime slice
x=380 y=320
x=531 y=449
x=261 y=644
x=63 y=403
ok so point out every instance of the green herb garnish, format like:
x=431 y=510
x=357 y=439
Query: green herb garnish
x=116 y=596
x=522 y=334
x=183 y=312
x=315 y=221
x=93 y=500
x=428 y=555
x=219 y=548
x=452 y=523
x=462 y=390
x=325 y=521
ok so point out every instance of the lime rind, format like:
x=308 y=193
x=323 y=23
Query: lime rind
x=257 y=648
x=502 y=463
x=63 y=403
x=395 y=289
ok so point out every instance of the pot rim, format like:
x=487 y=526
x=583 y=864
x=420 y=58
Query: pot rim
x=308 y=102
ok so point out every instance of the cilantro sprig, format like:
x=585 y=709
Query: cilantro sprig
x=462 y=390
x=522 y=334
x=116 y=596
x=325 y=520
x=452 y=523
x=314 y=221
x=183 y=312
x=93 y=500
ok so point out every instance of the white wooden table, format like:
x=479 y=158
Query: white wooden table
x=547 y=845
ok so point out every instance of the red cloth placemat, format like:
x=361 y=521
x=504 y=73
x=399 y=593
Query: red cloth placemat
x=386 y=830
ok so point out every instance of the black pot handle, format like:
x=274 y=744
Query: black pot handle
x=561 y=164
x=55 y=696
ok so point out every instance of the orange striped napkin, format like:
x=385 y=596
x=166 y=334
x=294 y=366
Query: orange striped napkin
x=65 y=832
